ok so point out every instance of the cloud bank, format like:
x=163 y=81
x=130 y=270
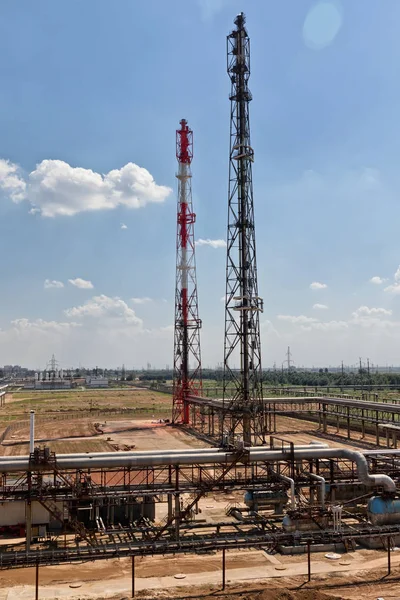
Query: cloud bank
x=55 y=188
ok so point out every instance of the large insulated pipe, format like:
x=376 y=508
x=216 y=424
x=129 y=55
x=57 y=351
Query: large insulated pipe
x=32 y=432
x=117 y=460
x=322 y=488
x=290 y=481
x=161 y=453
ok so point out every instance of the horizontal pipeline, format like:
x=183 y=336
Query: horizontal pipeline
x=257 y=454
x=155 y=453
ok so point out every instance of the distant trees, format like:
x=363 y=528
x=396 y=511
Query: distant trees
x=323 y=377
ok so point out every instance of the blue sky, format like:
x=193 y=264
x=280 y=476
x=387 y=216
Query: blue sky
x=97 y=86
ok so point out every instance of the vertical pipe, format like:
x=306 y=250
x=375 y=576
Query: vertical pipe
x=223 y=568
x=28 y=520
x=37 y=581
x=177 y=504
x=348 y=423
x=133 y=575
x=32 y=432
x=309 y=559
x=388 y=555
x=170 y=511
x=177 y=515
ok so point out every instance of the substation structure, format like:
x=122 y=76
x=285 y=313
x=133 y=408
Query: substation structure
x=144 y=503
x=381 y=419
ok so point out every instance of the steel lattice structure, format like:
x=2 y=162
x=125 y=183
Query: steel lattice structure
x=243 y=406
x=187 y=358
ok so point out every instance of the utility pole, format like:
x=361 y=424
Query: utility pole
x=243 y=408
x=369 y=376
x=342 y=378
x=187 y=323
x=289 y=361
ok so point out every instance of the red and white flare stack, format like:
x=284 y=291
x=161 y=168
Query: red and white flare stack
x=187 y=358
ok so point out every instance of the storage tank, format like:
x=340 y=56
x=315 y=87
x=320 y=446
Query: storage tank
x=383 y=511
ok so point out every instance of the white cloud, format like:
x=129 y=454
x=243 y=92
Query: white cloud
x=377 y=280
x=393 y=289
x=56 y=188
x=300 y=319
x=268 y=327
x=105 y=308
x=83 y=284
x=212 y=243
x=320 y=306
x=144 y=300
x=52 y=283
x=123 y=226
x=11 y=182
x=326 y=326
x=316 y=285
x=373 y=318
x=365 y=311
x=23 y=326
x=103 y=331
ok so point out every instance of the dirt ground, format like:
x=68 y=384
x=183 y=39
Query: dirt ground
x=147 y=434
x=250 y=575
x=286 y=579
x=149 y=402
x=303 y=432
x=114 y=435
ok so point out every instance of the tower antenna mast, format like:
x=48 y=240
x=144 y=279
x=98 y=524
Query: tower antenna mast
x=187 y=357
x=243 y=406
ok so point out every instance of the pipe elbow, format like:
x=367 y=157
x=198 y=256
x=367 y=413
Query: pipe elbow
x=365 y=477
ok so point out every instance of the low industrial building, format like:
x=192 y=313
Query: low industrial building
x=97 y=382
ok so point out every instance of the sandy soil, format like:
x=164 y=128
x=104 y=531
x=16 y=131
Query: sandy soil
x=303 y=432
x=120 y=435
x=251 y=575
x=148 y=435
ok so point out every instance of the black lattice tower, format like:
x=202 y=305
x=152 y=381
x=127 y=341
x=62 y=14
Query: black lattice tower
x=187 y=358
x=243 y=407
